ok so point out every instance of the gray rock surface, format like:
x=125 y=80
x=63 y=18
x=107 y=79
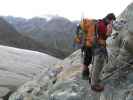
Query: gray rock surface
x=117 y=73
x=18 y=66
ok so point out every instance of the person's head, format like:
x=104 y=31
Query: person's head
x=109 y=17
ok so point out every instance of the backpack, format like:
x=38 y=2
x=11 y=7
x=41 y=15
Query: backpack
x=86 y=33
x=91 y=32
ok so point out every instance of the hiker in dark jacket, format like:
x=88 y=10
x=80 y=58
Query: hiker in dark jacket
x=104 y=27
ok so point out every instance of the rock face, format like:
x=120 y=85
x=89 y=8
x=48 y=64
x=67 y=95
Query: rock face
x=18 y=66
x=117 y=73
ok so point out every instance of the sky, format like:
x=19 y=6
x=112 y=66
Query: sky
x=71 y=9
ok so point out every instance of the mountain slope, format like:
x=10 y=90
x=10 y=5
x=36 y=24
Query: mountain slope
x=18 y=66
x=57 y=32
x=116 y=76
x=9 y=36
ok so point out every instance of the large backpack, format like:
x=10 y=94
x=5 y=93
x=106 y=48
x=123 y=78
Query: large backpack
x=86 y=33
x=92 y=32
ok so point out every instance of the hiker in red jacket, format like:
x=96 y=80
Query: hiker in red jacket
x=104 y=30
x=91 y=35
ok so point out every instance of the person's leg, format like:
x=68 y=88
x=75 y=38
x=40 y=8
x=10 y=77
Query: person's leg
x=86 y=63
x=96 y=70
x=85 y=70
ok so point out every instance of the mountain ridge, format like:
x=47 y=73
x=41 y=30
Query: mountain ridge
x=58 y=32
x=11 y=37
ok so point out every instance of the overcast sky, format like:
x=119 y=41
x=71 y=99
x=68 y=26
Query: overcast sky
x=71 y=9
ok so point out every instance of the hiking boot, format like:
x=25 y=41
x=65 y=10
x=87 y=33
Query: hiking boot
x=97 y=88
x=85 y=74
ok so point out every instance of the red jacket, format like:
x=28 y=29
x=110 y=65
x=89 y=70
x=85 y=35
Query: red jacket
x=102 y=30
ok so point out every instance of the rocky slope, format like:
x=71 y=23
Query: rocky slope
x=18 y=66
x=116 y=76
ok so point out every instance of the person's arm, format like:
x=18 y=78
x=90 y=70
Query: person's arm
x=109 y=30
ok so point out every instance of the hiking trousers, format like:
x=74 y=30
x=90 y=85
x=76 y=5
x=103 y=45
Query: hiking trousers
x=87 y=59
x=100 y=54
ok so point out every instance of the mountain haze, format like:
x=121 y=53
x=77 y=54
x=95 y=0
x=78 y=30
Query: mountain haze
x=11 y=37
x=57 y=32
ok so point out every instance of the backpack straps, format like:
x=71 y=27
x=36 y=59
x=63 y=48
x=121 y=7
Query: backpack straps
x=96 y=34
x=96 y=30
